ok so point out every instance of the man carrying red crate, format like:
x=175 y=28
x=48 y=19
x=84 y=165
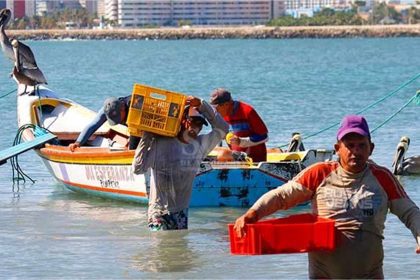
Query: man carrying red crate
x=174 y=162
x=353 y=191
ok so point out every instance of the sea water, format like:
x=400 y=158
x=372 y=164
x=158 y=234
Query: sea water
x=298 y=85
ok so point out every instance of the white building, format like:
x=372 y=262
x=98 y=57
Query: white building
x=111 y=10
x=90 y=5
x=30 y=8
x=317 y=4
x=101 y=8
x=135 y=13
x=298 y=8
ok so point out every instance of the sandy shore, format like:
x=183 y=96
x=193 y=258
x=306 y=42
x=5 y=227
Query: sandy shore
x=259 y=32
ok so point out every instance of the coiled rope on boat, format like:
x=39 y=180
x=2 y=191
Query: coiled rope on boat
x=18 y=174
x=415 y=98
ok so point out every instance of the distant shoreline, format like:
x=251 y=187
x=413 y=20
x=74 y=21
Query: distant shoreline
x=242 y=32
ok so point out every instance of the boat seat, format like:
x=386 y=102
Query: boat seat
x=67 y=120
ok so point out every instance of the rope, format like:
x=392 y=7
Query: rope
x=8 y=93
x=416 y=97
x=389 y=94
x=20 y=175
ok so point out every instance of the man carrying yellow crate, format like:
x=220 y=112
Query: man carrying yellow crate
x=174 y=162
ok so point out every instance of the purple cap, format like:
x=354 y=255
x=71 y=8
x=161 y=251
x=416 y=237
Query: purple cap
x=219 y=96
x=353 y=124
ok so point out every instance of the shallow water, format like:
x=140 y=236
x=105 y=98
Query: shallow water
x=296 y=85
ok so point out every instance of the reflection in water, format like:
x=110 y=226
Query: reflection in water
x=16 y=191
x=18 y=187
x=96 y=209
x=168 y=251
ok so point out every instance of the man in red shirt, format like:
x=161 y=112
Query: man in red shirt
x=249 y=131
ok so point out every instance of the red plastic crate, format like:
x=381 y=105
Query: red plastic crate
x=294 y=234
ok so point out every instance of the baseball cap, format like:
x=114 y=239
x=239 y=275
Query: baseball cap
x=353 y=124
x=194 y=113
x=112 y=109
x=219 y=96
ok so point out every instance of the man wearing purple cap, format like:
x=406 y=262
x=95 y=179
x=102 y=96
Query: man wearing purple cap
x=353 y=191
x=174 y=162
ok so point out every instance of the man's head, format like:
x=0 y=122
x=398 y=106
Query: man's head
x=115 y=110
x=221 y=99
x=192 y=124
x=353 y=145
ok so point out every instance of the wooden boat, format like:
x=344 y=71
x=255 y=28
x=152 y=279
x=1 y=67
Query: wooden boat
x=103 y=168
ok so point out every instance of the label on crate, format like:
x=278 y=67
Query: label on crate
x=174 y=110
x=137 y=102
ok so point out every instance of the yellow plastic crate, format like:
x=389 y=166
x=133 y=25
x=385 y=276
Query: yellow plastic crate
x=155 y=110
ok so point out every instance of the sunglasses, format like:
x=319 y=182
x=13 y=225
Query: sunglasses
x=195 y=121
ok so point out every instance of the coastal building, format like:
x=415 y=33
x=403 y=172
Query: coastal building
x=17 y=7
x=90 y=5
x=297 y=8
x=297 y=13
x=111 y=10
x=137 y=13
x=278 y=9
x=2 y=4
x=43 y=7
x=101 y=8
x=318 y=4
x=29 y=8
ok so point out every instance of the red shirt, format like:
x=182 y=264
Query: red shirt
x=245 y=122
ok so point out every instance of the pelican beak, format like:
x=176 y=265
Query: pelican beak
x=398 y=159
x=295 y=143
x=402 y=148
x=4 y=15
x=398 y=155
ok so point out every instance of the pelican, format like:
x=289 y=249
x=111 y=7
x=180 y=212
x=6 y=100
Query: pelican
x=405 y=166
x=26 y=68
x=295 y=144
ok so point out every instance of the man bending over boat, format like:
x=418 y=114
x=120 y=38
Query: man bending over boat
x=353 y=191
x=249 y=132
x=174 y=162
x=115 y=110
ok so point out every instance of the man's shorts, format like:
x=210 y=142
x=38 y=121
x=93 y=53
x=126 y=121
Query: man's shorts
x=169 y=221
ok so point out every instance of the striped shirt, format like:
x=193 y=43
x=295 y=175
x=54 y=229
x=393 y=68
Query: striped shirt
x=244 y=121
